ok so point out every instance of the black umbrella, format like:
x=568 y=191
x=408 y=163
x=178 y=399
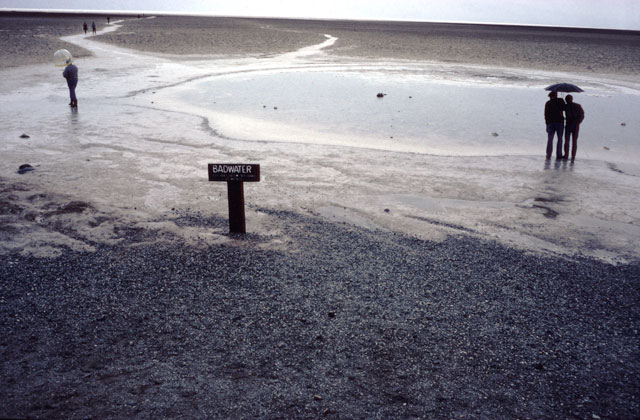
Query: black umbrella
x=563 y=87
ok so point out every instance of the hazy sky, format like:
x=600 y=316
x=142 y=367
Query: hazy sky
x=618 y=14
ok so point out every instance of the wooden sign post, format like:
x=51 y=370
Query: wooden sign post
x=235 y=175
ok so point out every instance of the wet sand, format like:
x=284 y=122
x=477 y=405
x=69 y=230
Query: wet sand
x=354 y=295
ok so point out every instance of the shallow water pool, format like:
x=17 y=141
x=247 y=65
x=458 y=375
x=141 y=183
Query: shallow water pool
x=418 y=112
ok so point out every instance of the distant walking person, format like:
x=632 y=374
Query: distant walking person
x=85 y=27
x=555 y=123
x=71 y=74
x=93 y=27
x=575 y=116
x=108 y=19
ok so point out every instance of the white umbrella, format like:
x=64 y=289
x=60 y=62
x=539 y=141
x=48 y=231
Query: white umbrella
x=62 y=58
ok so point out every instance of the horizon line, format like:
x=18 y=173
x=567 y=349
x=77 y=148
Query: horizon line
x=209 y=14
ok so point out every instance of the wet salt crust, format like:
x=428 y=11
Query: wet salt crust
x=431 y=108
x=369 y=284
x=150 y=142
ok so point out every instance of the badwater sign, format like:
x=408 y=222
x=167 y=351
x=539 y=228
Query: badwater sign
x=235 y=175
x=234 y=172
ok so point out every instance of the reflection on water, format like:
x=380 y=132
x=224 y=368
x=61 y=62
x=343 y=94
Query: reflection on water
x=417 y=113
x=559 y=164
x=74 y=121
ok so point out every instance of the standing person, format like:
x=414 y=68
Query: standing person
x=108 y=19
x=555 y=123
x=575 y=115
x=85 y=27
x=93 y=27
x=71 y=74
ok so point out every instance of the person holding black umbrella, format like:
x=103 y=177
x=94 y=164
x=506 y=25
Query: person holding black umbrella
x=575 y=115
x=554 y=119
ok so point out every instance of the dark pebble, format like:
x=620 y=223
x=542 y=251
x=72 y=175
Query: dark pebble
x=23 y=169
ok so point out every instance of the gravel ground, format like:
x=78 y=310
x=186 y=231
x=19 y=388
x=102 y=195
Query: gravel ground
x=556 y=49
x=347 y=323
x=29 y=38
x=32 y=38
x=186 y=36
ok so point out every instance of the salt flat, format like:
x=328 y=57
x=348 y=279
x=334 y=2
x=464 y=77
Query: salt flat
x=148 y=125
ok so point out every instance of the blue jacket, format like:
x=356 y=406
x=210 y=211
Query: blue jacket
x=70 y=73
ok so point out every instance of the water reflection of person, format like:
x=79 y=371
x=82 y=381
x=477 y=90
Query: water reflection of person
x=555 y=123
x=575 y=115
x=71 y=74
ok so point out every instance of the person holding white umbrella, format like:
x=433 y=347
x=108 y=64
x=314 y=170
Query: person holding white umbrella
x=63 y=58
x=71 y=74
